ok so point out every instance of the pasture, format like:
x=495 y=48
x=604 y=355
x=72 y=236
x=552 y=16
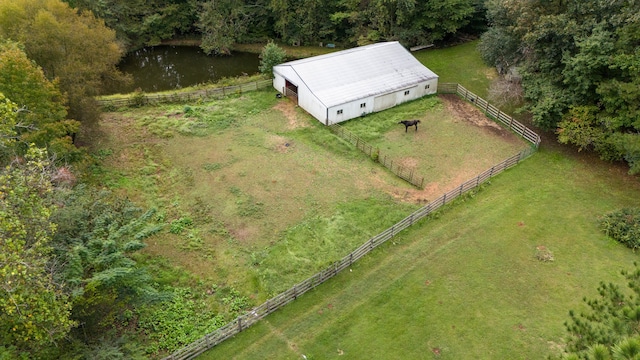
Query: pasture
x=257 y=195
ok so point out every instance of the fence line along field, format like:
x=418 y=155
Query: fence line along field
x=257 y=195
x=254 y=315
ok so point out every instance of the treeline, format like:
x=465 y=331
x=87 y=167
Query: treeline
x=579 y=63
x=221 y=23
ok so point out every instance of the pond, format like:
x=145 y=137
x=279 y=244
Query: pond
x=160 y=68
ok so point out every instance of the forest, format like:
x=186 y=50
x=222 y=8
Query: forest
x=70 y=265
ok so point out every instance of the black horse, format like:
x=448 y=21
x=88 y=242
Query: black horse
x=408 y=123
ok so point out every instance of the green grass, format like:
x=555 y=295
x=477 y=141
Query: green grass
x=449 y=148
x=465 y=283
x=261 y=196
x=272 y=197
x=459 y=64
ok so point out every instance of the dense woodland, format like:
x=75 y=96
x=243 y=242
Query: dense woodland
x=69 y=276
x=220 y=24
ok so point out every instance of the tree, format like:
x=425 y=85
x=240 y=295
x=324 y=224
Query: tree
x=139 y=23
x=96 y=236
x=271 y=56
x=72 y=46
x=579 y=62
x=610 y=328
x=42 y=116
x=222 y=23
x=34 y=308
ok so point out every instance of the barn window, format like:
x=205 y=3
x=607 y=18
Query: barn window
x=363 y=105
x=426 y=86
x=339 y=111
x=406 y=93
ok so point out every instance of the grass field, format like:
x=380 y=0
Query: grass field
x=465 y=284
x=256 y=196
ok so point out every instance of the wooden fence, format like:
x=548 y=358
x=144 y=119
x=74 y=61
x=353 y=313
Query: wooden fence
x=254 y=315
x=145 y=99
x=491 y=111
x=402 y=172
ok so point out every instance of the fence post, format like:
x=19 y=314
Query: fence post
x=444 y=199
x=239 y=324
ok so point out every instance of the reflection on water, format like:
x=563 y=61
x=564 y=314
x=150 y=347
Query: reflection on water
x=172 y=67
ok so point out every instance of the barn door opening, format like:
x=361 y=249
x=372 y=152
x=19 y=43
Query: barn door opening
x=291 y=91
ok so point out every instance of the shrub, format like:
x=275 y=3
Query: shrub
x=177 y=226
x=624 y=226
x=271 y=56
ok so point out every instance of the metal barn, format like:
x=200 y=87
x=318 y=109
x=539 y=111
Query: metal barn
x=346 y=84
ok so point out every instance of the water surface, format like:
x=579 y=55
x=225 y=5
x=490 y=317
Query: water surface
x=161 y=68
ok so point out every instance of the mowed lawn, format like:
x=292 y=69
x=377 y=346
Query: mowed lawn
x=465 y=284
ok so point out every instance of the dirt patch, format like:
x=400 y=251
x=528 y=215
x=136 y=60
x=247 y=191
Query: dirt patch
x=410 y=163
x=279 y=144
x=466 y=111
x=242 y=232
x=288 y=109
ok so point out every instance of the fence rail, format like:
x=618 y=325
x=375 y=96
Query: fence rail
x=145 y=99
x=492 y=111
x=403 y=172
x=254 y=315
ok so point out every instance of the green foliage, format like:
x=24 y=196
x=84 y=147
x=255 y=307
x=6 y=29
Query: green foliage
x=176 y=322
x=271 y=56
x=499 y=48
x=222 y=24
x=178 y=226
x=624 y=226
x=580 y=69
x=42 y=116
x=139 y=23
x=138 y=99
x=72 y=46
x=8 y=134
x=34 y=308
x=97 y=236
x=609 y=329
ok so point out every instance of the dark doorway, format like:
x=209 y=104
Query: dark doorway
x=291 y=91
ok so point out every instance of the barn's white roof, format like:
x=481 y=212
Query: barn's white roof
x=348 y=75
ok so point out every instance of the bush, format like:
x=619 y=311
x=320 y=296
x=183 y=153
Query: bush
x=624 y=226
x=271 y=56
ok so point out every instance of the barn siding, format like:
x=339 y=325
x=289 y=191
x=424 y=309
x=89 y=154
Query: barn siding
x=356 y=76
